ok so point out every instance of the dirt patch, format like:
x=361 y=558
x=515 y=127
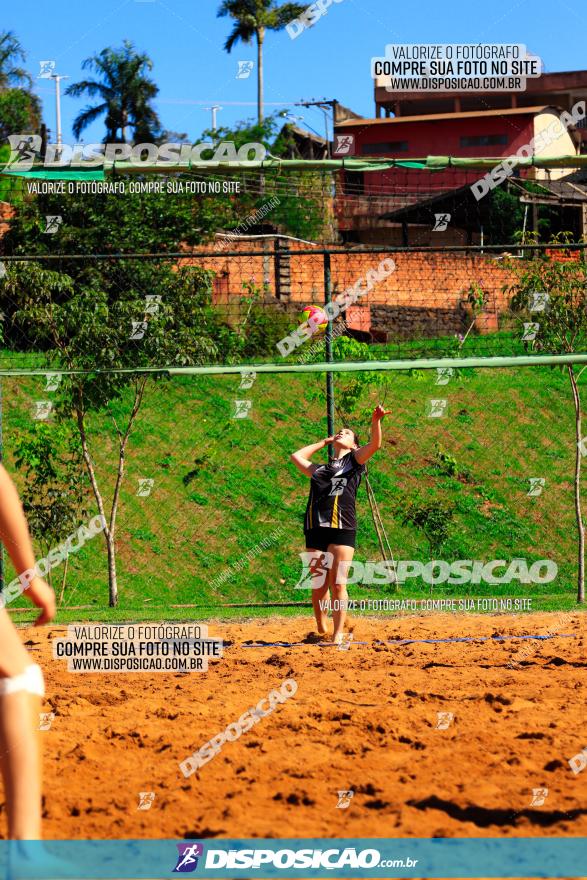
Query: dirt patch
x=364 y=720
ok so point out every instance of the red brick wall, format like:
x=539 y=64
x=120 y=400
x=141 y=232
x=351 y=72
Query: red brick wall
x=6 y=214
x=422 y=280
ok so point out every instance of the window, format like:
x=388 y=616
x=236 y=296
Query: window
x=384 y=147
x=354 y=183
x=484 y=140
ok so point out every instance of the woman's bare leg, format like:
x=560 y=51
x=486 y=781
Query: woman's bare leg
x=342 y=557
x=20 y=763
x=20 y=760
x=319 y=593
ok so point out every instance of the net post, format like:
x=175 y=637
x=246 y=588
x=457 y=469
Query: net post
x=1 y=457
x=328 y=346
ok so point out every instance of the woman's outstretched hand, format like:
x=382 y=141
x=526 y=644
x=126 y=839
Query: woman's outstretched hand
x=379 y=413
x=41 y=595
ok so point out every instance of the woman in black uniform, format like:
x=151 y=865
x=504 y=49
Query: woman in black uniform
x=330 y=523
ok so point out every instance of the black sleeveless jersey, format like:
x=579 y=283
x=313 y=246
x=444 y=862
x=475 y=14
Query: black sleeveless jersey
x=333 y=490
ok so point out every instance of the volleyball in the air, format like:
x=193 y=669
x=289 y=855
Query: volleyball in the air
x=317 y=318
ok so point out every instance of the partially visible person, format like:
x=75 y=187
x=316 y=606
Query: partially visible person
x=21 y=680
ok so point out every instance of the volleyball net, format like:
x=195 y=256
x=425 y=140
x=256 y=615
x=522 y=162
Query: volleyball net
x=150 y=385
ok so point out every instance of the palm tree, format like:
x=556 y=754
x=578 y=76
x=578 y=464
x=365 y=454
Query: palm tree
x=252 y=19
x=11 y=51
x=125 y=94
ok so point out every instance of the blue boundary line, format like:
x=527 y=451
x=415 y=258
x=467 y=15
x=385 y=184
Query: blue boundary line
x=413 y=641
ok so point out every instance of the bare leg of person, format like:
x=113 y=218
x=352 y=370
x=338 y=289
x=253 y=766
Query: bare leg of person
x=342 y=557
x=319 y=593
x=20 y=760
x=20 y=763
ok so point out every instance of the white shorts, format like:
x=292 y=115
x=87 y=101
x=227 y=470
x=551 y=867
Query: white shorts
x=30 y=680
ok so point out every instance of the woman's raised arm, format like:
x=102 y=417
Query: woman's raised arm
x=301 y=458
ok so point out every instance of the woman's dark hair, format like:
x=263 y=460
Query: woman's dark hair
x=357 y=441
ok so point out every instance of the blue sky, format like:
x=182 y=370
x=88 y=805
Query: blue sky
x=185 y=40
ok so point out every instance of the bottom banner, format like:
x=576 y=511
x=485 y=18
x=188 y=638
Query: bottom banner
x=358 y=858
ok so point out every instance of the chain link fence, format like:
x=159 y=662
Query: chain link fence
x=191 y=474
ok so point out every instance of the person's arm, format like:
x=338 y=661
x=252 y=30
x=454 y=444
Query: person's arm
x=301 y=458
x=14 y=534
x=364 y=453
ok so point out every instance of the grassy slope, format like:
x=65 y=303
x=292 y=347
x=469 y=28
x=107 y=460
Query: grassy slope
x=222 y=485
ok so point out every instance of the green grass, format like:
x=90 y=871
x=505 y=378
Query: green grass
x=222 y=485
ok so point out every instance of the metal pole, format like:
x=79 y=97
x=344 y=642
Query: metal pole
x=1 y=454
x=328 y=342
x=58 y=78
x=214 y=110
x=58 y=110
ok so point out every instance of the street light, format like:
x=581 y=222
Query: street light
x=58 y=78
x=214 y=108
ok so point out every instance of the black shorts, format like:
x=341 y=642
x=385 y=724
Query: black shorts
x=320 y=538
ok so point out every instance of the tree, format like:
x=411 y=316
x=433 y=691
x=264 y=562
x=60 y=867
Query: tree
x=550 y=298
x=125 y=93
x=126 y=222
x=86 y=331
x=253 y=18
x=300 y=199
x=20 y=112
x=11 y=52
x=20 y=109
x=54 y=492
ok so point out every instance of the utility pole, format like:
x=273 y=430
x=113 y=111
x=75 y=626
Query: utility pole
x=1 y=451
x=322 y=105
x=328 y=342
x=58 y=77
x=214 y=109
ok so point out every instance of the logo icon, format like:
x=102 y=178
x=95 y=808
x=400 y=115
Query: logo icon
x=47 y=69
x=52 y=223
x=536 y=486
x=138 y=329
x=344 y=145
x=315 y=570
x=538 y=301
x=188 y=855
x=242 y=409
x=539 y=795
x=245 y=68
x=441 y=222
x=345 y=642
x=146 y=799
x=24 y=150
x=338 y=485
x=344 y=800
x=53 y=381
x=152 y=303
x=42 y=410
x=46 y=720
x=443 y=375
x=145 y=487
x=247 y=379
x=436 y=409
x=444 y=720
x=531 y=329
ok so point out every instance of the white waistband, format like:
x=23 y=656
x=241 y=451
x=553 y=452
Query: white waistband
x=30 y=680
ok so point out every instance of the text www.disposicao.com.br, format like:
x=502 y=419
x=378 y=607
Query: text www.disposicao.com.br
x=135 y=664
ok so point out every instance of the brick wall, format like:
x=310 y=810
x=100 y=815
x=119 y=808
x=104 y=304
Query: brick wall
x=425 y=292
x=6 y=214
